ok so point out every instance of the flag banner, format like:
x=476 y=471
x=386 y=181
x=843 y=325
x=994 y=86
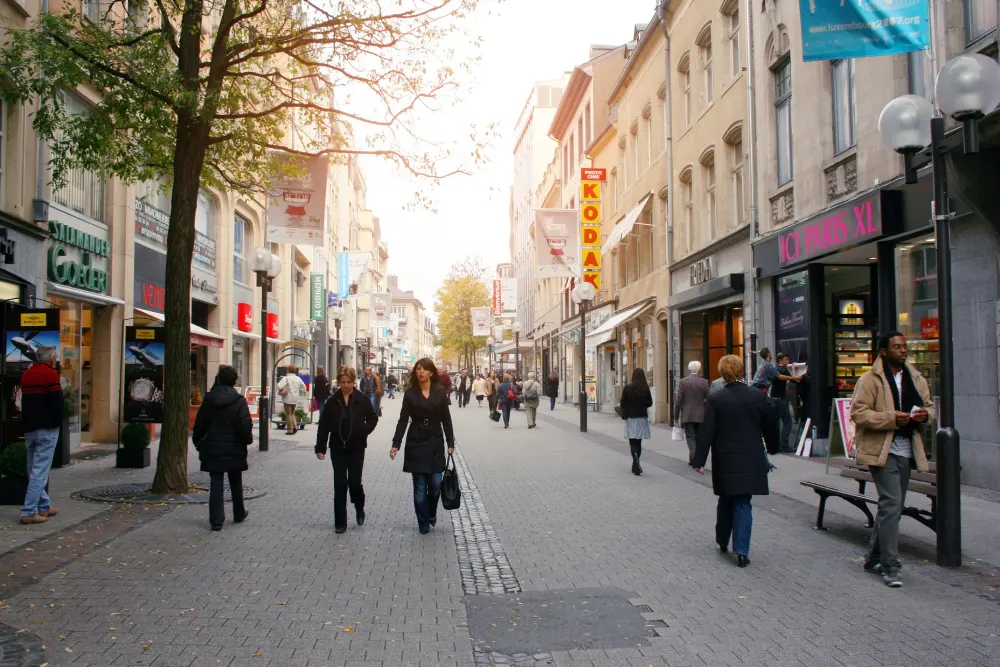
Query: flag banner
x=557 y=243
x=862 y=28
x=481 y=319
x=505 y=297
x=296 y=207
x=381 y=307
x=350 y=270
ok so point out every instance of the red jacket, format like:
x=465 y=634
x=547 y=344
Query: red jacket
x=41 y=398
x=445 y=381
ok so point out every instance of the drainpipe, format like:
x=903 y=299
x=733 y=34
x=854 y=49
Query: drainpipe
x=661 y=13
x=42 y=163
x=752 y=165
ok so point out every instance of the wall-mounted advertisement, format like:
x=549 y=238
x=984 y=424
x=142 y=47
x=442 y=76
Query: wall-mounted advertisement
x=557 y=243
x=505 y=297
x=481 y=320
x=26 y=333
x=381 y=307
x=144 y=354
x=862 y=28
x=296 y=206
x=350 y=271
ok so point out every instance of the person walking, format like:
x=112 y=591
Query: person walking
x=290 y=389
x=890 y=402
x=552 y=389
x=42 y=415
x=378 y=392
x=391 y=383
x=779 y=394
x=491 y=390
x=737 y=419
x=506 y=396
x=444 y=380
x=344 y=428
x=320 y=391
x=425 y=410
x=689 y=408
x=635 y=403
x=532 y=392
x=222 y=432
x=367 y=385
x=464 y=389
x=479 y=389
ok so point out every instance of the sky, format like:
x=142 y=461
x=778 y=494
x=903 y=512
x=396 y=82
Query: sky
x=524 y=41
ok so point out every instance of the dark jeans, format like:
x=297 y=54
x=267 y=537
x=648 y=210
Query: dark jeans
x=505 y=409
x=466 y=396
x=426 y=493
x=552 y=402
x=348 y=465
x=734 y=518
x=691 y=431
x=216 y=497
x=891 y=481
x=785 y=416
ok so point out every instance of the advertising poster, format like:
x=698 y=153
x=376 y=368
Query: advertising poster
x=350 y=271
x=842 y=428
x=505 y=297
x=144 y=374
x=252 y=395
x=862 y=28
x=557 y=243
x=591 y=388
x=481 y=319
x=26 y=333
x=296 y=206
x=381 y=308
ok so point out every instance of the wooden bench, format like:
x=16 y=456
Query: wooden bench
x=924 y=483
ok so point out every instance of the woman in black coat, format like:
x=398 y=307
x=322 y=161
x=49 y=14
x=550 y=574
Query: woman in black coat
x=738 y=420
x=552 y=389
x=425 y=409
x=320 y=389
x=222 y=431
x=634 y=405
x=345 y=423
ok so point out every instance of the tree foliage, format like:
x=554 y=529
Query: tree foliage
x=464 y=288
x=221 y=92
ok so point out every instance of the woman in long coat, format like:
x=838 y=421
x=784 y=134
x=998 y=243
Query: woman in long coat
x=552 y=389
x=491 y=390
x=635 y=403
x=425 y=410
x=222 y=431
x=345 y=424
x=737 y=420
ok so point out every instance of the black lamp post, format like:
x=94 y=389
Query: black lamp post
x=967 y=88
x=267 y=266
x=582 y=294
x=516 y=328
x=337 y=313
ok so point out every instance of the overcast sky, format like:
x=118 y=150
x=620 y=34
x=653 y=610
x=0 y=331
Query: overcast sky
x=523 y=41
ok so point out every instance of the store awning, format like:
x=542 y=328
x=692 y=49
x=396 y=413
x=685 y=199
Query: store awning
x=245 y=334
x=625 y=225
x=83 y=295
x=199 y=336
x=606 y=331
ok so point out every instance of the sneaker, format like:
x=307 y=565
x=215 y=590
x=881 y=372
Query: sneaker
x=874 y=566
x=34 y=518
x=892 y=578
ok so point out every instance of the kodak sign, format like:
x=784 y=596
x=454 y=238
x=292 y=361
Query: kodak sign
x=594 y=278
x=591 y=182
x=590 y=213
x=590 y=236
x=590 y=191
x=591 y=259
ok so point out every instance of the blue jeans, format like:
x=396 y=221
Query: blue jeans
x=734 y=518
x=371 y=397
x=426 y=493
x=392 y=392
x=41 y=448
x=785 y=417
x=505 y=409
x=552 y=402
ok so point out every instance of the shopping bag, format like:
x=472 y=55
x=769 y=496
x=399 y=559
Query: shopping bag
x=678 y=433
x=451 y=491
x=495 y=415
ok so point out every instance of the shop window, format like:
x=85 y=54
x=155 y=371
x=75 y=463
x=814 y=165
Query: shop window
x=84 y=190
x=916 y=301
x=842 y=73
x=792 y=310
x=241 y=361
x=783 y=119
x=647 y=341
x=980 y=18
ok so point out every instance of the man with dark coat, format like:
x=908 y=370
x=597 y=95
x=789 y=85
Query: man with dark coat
x=222 y=431
x=689 y=409
x=464 y=389
x=552 y=389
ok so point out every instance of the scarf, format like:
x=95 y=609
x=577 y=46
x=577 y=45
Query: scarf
x=906 y=402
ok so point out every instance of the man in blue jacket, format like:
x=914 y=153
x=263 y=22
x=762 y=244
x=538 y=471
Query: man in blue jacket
x=42 y=410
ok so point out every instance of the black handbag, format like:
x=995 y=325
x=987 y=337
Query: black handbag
x=451 y=491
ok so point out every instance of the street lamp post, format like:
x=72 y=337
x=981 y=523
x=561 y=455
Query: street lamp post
x=267 y=266
x=582 y=294
x=516 y=328
x=337 y=313
x=967 y=88
x=489 y=352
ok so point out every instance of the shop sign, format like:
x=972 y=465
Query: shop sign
x=591 y=236
x=272 y=325
x=590 y=191
x=152 y=225
x=849 y=225
x=317 y=291
x=72 y=257
x=244 y=316
x=153 y=297
x=593 y=174
x=594 y=278
x=929 y=328
x=590 y=213
x=702 y=271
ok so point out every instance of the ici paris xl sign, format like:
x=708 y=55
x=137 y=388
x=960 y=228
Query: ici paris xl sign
x=852 y=224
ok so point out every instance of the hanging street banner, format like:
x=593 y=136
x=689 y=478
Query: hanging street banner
x=296 y=207
x=350 y=269
x=505 y=297
x=144 y=355
x=381 y=307
x=317 y=294
x=481 y=319
x=862 y=28
x=591 y=181
x=557 y=247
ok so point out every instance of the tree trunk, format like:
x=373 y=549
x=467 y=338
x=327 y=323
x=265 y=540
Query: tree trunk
x=189 y=157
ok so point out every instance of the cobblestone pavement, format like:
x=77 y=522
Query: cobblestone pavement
x=559 y=557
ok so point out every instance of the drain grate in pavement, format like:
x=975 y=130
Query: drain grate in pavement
x=140 y=493
x=19 y=648
x=481 y=559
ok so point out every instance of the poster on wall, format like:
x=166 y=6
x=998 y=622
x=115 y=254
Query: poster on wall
x=26 y=333
x=557 y=243
x=296 y=205
x=862 y=28
x=481 y=320
x=144 y=356
x=841 y=428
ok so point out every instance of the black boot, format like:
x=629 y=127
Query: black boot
x=636 y=468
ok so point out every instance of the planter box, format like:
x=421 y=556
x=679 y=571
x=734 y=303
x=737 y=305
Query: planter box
x=132 y=458
x=13 y=490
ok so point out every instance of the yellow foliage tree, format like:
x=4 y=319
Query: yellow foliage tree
x=464 y=288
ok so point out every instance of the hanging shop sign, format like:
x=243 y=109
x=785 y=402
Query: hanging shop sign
x=272 y=325
x=244 y=316
x=481 y=319
x=350 y=272
x=317 y=292
x=296 y=203
x=862 y=28
x=591 y=182
x=77 y=258
x=381 y=307
x=505 y=297
x=144 y=355
x=26 y=333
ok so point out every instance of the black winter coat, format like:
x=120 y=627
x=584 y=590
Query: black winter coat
x=321 y=389
x=222 y=431
x=333 y=429
x=635 y=403
x=427 y=418
x=552 y=387
x=737 y=417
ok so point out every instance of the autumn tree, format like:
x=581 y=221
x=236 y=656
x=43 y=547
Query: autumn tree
x=464 y=288
x=222 y=92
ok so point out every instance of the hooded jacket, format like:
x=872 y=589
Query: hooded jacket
x=222 y=431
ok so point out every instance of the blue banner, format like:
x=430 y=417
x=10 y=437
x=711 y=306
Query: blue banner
x=834 y=29
x=343 y=276
x=332 y=300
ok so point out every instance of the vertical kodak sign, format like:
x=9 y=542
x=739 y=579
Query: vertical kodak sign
x=591 y=184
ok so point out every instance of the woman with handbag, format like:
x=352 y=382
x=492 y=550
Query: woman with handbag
x=491 y=390
x=635 y=404
x=425 y=410
x=320 y=390
x=532 y=396
x=345 y=425
x=507 y=393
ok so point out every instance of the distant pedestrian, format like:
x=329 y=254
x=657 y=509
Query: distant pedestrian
x=42 y=412
x=320 y=390
x=635 y=403
x=532 y=392
x=347 y=422
x=689 y=408
x=444 y=380
x=291 y=388
x=780 y=377
x=425 y=409
x=716 y=386
x=479 y=389
x=491 y=390
x=391 y=383
x=738 y=419
x=222 y=431
x=378 y=392
x=890 y=403
x=507 y=395
x=552 y=389
x=367 y=385
x=464 y=389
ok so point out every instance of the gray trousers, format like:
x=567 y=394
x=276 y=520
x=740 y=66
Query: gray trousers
x=531 y=407
x=891 y=481
x=691 y=431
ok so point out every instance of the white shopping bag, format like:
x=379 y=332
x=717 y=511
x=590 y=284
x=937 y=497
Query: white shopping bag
x=678 y=433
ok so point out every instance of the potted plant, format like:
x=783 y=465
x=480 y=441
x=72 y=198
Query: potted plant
x=14 y=473
x=301 y=418
x=193 y=408
x=134 y=452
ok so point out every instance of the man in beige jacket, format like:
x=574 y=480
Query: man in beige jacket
x=890 y=402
